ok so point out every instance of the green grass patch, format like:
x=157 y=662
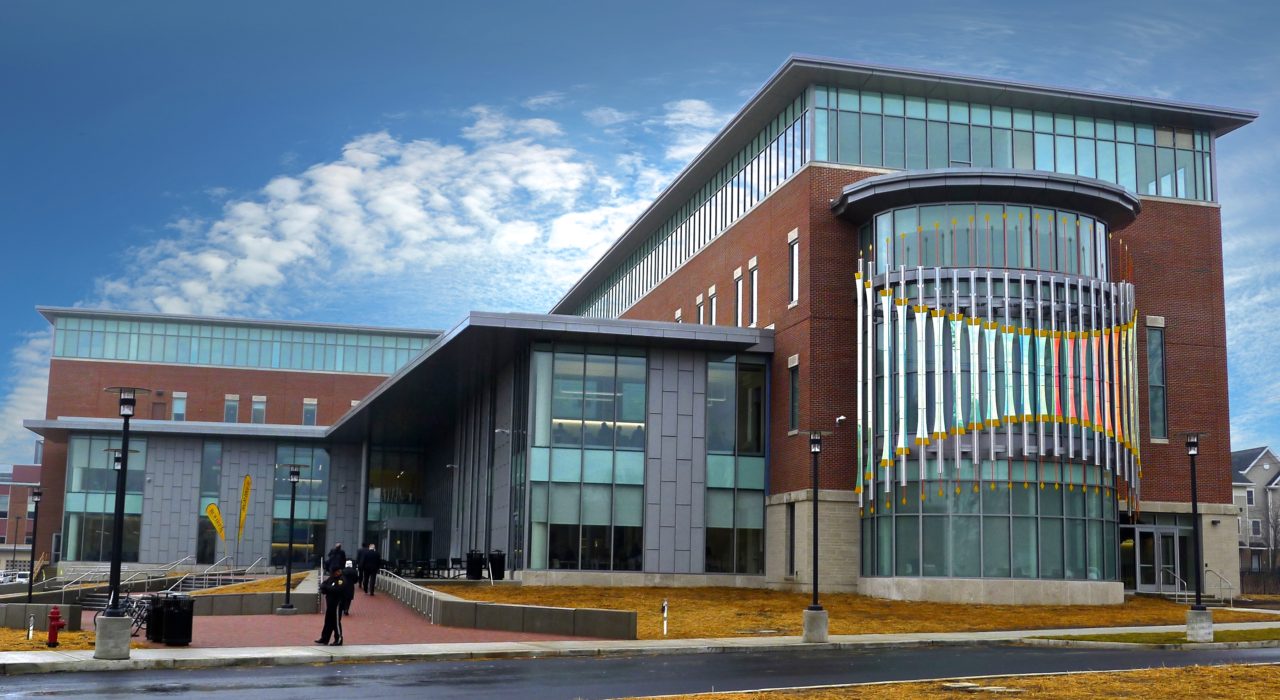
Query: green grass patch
x=1256 y=635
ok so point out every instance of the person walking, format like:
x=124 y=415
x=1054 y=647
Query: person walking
x=336 y=558
x=349 y=578
x=334 y=590
x=360 y=555
x=370 y=566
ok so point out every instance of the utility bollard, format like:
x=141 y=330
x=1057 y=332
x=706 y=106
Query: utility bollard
x=55 y=623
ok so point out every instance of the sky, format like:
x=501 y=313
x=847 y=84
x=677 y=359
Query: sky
x=402 y=163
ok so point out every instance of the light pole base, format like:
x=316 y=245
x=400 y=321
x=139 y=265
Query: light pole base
x=1199 y=625
x=111 y=638
x=286 y=610
x=815 y=626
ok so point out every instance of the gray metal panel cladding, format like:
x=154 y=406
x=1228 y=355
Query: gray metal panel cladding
x=172 y=485
x=674 y=470
x=345 y=492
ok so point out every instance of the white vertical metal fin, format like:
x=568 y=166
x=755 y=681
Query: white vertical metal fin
x=939 y=405
x=1095 y=346
x=900 y=312
x=1069 y=347
x=957 y=329
x=922 y=374
x=1055 y=336
x=1042 y=346
x=870 y=388
x=886 y=390
x=989 y=338
x=1024 y=341
x=975 y=367
x=1104 y=306
x=860 y=348
x=1010 y=413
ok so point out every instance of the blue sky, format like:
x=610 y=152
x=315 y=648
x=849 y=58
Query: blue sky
x=274 y=159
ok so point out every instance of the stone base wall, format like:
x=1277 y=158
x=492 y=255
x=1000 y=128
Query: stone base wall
x=530 y=577
x=1221 y=542
x=838 y=541
x=995 y=591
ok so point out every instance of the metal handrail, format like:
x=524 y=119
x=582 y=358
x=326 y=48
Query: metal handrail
x=411 y=594
x=255 y=563
x=1230 y=598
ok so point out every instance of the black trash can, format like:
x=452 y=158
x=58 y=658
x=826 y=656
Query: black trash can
x=475 y=565
x=497 y=564
x=179 y=610
x=155 y=617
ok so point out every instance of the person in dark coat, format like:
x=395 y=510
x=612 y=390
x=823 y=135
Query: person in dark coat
x=336 y=558
x=349 y=577
x=334 y=590
x=360 y=555
x=370 y=566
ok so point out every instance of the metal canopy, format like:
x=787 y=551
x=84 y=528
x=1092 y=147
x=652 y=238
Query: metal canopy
x=861 y=200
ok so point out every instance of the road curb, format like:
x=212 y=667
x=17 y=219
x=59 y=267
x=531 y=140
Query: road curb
x=1186 y=646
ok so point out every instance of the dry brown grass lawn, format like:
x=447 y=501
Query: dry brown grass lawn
x=16 y=640
x=1191 y=683
x=274 y=584
x=728 y=612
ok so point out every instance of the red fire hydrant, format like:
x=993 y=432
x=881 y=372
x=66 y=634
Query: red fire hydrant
x=55 y=623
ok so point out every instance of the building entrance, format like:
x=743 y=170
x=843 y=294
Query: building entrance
x=1159 y=559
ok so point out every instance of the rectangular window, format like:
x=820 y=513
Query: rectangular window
x=258 y=410
x=793 y=415
x=4 y=505
x=755 y=296
x=1248 y=496
x=738 y=301
x=794 y=256
x=713 y=310
x=309 y=407
x=702 y=314
x=231 y=409
x=179 y=405
x=1155 y=383
x=1255 y=527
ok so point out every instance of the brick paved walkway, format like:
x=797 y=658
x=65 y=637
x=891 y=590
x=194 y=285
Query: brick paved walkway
x=377 y=619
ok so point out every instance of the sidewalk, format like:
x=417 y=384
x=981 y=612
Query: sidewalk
x=17 y=662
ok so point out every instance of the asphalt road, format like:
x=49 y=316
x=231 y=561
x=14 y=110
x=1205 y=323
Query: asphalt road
x=565 y=678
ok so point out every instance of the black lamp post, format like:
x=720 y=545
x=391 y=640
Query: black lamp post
x=35 y=530
x=295 y=475
x=128 y=402
x=815 y=448
x=1193 y=448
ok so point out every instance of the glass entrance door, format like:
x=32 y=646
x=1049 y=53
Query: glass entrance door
x=1158 y=561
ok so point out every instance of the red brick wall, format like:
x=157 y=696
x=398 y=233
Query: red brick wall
x=819 y=325
x=75 y=389
x=1178 y=274
x=1177 y=253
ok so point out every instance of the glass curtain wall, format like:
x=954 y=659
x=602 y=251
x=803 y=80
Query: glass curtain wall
x=987 y=235
x=586 y=462
x=233 y=346
x=90 y=502
x=763 y=165
x=397 y=486
x=735 y=421
x=312 y=509
x=998 y=519
x=210 y=492
x=897 y=131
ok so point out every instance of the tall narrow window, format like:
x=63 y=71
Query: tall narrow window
x=793 y=414
x=755 y=296
x=714 y=307
x=679 y=316
x=1248 y=496
x=179 y=405
x=309 y=407
x=231 y=409
x=738 y=299
x=258 y=410
x=702 y=311
x=1155 y=383
x=794 y=258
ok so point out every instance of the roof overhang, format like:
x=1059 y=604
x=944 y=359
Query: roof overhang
x=861 y=200
x=419 y=401
x=800 y=71
x=69 y=424
x=51 y=313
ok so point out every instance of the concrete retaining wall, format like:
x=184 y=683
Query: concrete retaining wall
x=14 y=615
x=251 y=603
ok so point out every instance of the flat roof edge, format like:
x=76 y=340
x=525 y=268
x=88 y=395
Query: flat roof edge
x=51 y=312
x=160 y=427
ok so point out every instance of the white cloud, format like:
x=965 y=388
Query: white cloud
x=692 y=124
x=543 y=101
x=607 y=116
x=28 y=381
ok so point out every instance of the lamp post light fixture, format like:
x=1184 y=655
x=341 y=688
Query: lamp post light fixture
x=36 y=495
x=815 y=448
x=295 y=475
x=1193 y=448
x=128 y=401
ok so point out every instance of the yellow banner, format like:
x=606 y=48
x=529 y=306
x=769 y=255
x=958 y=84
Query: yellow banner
x=244 y=504
x=215 y=517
